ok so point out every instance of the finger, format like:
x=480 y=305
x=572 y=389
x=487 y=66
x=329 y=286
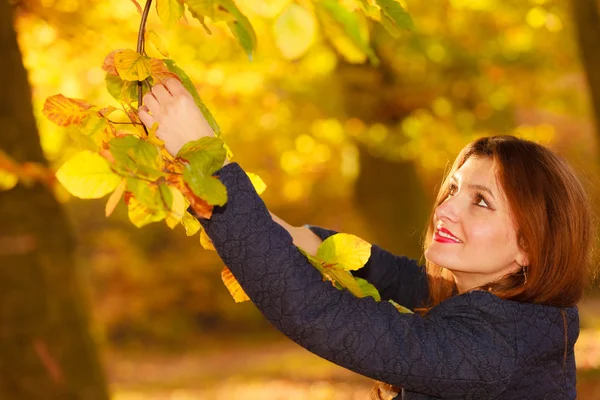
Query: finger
x=150 y=102
x=175 y=87
x=145 y=117
x=161 y=93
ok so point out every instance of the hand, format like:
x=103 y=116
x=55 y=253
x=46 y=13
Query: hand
x=179 y=119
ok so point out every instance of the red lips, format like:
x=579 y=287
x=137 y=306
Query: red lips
x=438 y=238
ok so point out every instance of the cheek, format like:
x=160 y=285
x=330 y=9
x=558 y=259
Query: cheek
x=491 y=233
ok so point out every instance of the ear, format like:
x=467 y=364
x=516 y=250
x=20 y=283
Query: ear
x=522 y=258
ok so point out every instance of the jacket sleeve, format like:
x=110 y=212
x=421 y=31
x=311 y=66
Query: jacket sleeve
x=397 y=278
x=456 y=352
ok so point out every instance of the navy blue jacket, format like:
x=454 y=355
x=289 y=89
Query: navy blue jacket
x=471 y=346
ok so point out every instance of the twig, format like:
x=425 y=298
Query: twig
x=141 y=47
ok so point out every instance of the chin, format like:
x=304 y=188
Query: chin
x=438 y=258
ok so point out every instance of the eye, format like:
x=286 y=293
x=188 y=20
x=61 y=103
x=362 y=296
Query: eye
x=480 y=201
x=452 y=189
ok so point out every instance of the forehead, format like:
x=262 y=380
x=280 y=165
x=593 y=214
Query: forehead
x=479 y=171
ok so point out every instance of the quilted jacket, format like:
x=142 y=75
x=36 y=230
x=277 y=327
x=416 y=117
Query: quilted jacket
x=471 y=346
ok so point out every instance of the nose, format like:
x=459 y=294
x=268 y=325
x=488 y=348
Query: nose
x=447 y=211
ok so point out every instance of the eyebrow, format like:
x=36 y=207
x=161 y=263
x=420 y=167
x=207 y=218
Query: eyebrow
x=478 y=187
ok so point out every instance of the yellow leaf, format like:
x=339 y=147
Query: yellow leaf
x=8 y=180
x=132 y=66
x=169 y=11
x=205 y=241
x=158 y=42
x=344 y=250
x=87 y=175
x=295 y=31
x=233 y=286
x=64 y=111
x=114 y=198
x=190 y=223
x=178 y=208
x=259 y=185
x=152 y=138
x=141 y=215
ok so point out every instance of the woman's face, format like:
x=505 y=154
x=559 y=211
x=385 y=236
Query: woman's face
x=474 y=234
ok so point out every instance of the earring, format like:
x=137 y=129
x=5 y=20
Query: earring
x=523 y=271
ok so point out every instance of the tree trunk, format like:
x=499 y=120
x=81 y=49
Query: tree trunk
x=390 y=195
x=46 y=351
x=586 y=16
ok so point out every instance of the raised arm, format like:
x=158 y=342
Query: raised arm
x=396 y=278
x=459 y=356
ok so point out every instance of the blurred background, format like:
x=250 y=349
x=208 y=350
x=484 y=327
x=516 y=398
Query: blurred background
x=341 y=143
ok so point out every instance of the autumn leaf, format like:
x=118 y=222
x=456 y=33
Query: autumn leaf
x=190 y=223
x=109 y=63
x=141 y=215
x=201 y=208
x=208 y=188
x=295 y=31
x=205 y=155
x=169 y=11
x=87 y=175
x=205 y=241
x=160 y=72
x=137 y=156
x=393 y=10
x=132 y=66
x=158 y=42
x=259 y=185
x=241 y=28
x=367 y=289
x=233 y=286
x=178 y=207
x=64 y=111
x=400 y=308
x=348 y=251
x=346 y=30
x=114 y=198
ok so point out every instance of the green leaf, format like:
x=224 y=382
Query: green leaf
x=98 y=129
x=347 y=251
x=120 y=90
x=400 y=308
x=241 y=28
x=205 y=155
x=88 y=176
x=295 y=31
x=169 y=11
x=393 y=10
x=340 y=23
x=344 y=278
x=150 y=202
x=208 y=8
x=368 y=289
x=187 y=83
x=208 y=188
x=136 y=156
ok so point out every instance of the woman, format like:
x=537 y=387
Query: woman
x=507 y=249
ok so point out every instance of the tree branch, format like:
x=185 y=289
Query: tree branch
x=141 y=47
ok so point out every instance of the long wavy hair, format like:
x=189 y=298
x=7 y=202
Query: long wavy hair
x=552 y=215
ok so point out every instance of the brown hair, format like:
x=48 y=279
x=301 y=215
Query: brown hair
x=552 y=215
